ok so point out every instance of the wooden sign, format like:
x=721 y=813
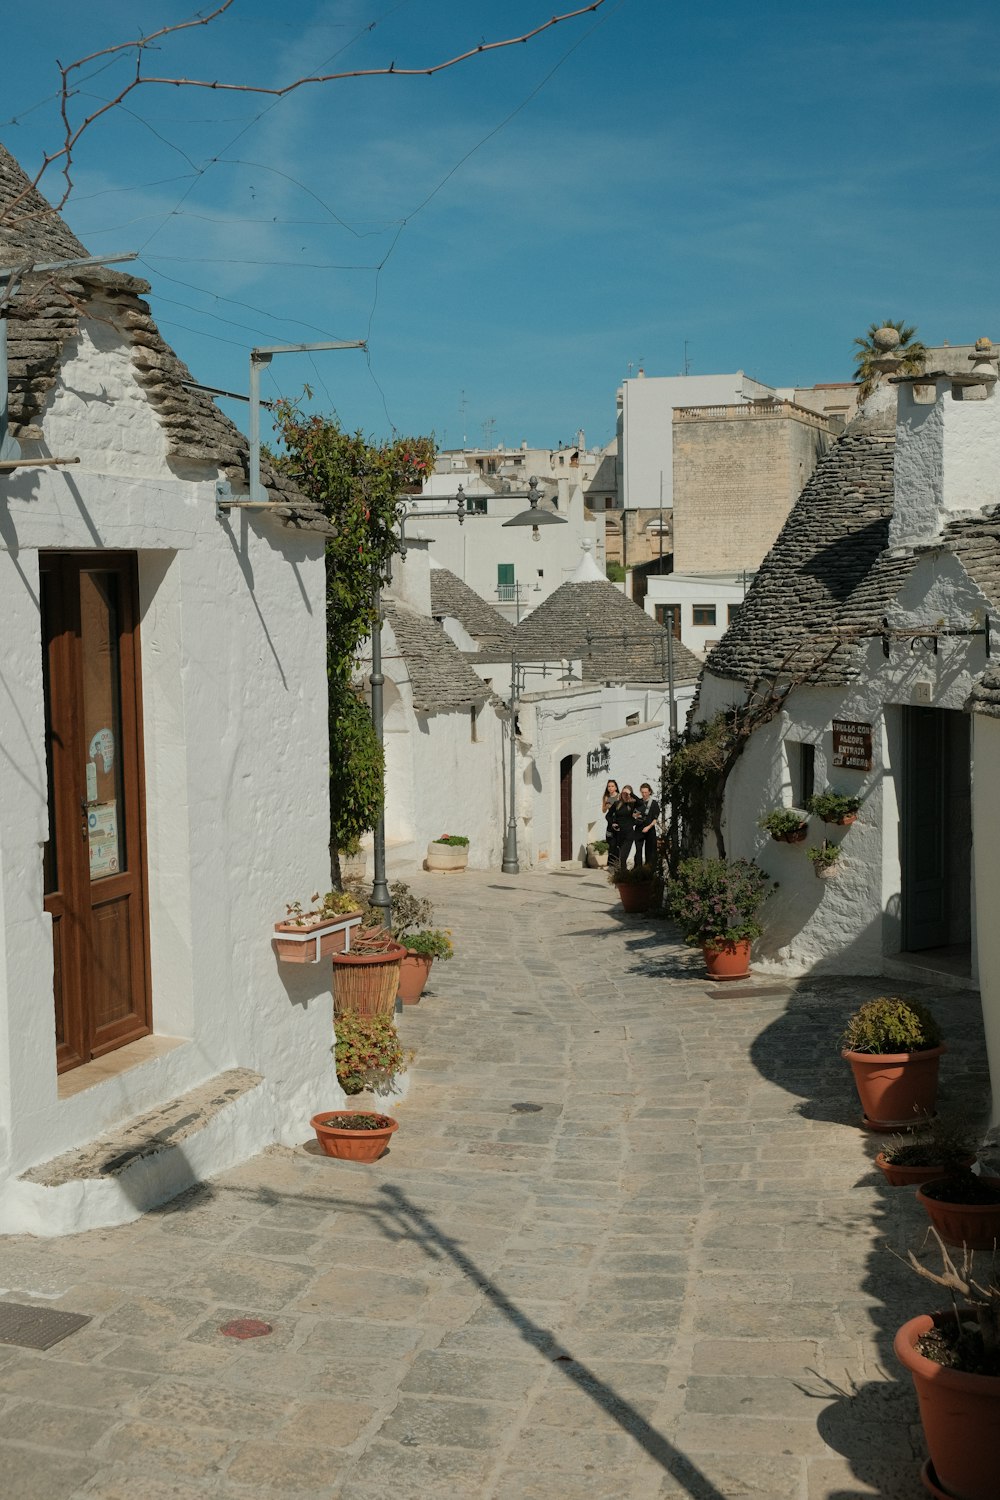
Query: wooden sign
x=852 y=746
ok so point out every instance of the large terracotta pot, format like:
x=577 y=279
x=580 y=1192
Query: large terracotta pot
x=960 y=1415
x=897 y=1176
x=414 y=970
x=974 y=1224
x=353 y=1145
x=636 y=895
x=896 y=1089
x=446 y=858
x=366 y=983
x=727 y=960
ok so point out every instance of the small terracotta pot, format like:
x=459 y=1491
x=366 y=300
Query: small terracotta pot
x=974 y=1224
x=353 y=1145
x=798 y=836
x=636 y=895
x=914 y=1176
x=960 y=1415
x=413 y=973
x=725 y=960
x=896 y=1089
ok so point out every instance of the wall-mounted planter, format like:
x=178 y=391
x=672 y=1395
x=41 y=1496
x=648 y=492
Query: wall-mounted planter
x=844 y=822
x=308 y=942
x=446 y=858
x=797 y=835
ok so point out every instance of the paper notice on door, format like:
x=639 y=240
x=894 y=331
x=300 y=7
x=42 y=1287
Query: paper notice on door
x=91 y=781
x=102 y=828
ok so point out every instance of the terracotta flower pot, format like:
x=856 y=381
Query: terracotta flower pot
x=295 y=943
x=974 y=1224
x=636 y=895
x=896 y=1089
x=353 y=1145
x=366 y=983
x=960 y=1415
x=727 y=960
x=414 y=970
x=897 y=1176
x=797 y=836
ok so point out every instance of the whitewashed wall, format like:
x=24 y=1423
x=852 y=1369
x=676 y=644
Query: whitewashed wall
x=234 y=697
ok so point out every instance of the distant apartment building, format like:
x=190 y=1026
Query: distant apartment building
x=593 y=469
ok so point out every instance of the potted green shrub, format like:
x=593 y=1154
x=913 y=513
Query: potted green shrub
x=946 y=1147
x=825 y=860
x=636 y=887
x=422 y=948
x=833 y=807
x=448 y=853
x=786 y=825
x=953 y=1357
x=597 y=854
x=893 y=1046
x=353 y=1134
x=308 y=934
x=715 y=902
x=368 y=1053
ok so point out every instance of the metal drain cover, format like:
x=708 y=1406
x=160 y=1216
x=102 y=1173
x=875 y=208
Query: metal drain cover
x=36 y=1327
x=527 y=1109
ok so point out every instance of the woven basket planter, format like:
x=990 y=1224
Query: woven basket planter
x=365 y=984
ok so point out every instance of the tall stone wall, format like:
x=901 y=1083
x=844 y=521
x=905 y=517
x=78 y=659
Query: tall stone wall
x=737 y=473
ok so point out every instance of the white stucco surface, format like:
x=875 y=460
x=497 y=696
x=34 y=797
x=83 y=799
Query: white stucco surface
x=234 y=698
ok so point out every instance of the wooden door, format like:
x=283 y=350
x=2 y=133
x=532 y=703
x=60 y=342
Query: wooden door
x=566 y=808
x=95 y=887
x=924 y=846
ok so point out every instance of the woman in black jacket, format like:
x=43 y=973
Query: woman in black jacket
x=647 y=813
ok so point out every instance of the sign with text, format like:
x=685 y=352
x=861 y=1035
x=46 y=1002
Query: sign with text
x=598 y=760
x=852 y=745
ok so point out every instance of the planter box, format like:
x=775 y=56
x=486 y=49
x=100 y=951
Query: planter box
x=308 y=942
x=446 y=858
x=596 y=861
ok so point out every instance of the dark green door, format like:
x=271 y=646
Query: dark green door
x=924 y=844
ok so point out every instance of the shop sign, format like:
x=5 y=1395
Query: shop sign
x=598 y=760
x=852 y=745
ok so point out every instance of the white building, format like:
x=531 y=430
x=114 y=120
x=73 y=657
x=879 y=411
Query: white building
x=163 y=725
x=873 y=620
x=646 y=406
x=698 y=608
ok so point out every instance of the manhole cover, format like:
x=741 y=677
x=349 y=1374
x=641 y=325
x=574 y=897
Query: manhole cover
x=527 y=1109
x=245 y=1328
x=36 y=1327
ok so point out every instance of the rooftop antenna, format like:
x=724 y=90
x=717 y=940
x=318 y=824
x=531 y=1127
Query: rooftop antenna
x=489 y=427
x=631 y=367
x=687 y=362
x=462 y=405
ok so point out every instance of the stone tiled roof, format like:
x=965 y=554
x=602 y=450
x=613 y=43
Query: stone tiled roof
x=975 y=541
x=441 y=678
x=828 y=579
x=451 y=597
x=627 y=645
x=45 y=316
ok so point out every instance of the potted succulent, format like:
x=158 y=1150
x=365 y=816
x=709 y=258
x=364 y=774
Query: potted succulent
x=715 y=902
x=942 y=1150
x=597 y=854
x=353 y=1134
x=893 y=1046
x=368 y=1054
x=953 y=1357
x=422 y=948
x=825 y=860
x=636 y=887
x=448 y=853
x=833 y=807
x=964 y=1209
x=786 y=825
x=306 y=936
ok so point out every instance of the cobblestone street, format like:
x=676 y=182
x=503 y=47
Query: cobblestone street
x=628 y=1243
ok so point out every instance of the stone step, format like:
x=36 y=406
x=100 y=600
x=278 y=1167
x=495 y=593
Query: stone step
x=143 y=1162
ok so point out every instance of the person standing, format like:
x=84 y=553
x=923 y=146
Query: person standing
x=646 y=818
x=610 y=804
x=626 y=826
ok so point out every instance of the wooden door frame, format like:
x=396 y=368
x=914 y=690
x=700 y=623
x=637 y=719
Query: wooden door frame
x=566 y=781
x=76 y=892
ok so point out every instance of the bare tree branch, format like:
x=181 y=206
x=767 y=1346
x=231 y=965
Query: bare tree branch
x=72 y=133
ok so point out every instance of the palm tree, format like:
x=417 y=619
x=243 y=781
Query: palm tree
x=910 y=351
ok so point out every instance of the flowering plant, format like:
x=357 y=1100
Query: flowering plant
x=452 y=838
x=369 y=1053
x=717 y=900
x=434 y=942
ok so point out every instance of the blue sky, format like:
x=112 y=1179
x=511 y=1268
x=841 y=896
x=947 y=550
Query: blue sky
x=761 y=181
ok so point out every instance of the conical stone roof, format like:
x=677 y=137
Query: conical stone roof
x=616 y=641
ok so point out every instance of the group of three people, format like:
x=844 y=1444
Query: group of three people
x=631 y=823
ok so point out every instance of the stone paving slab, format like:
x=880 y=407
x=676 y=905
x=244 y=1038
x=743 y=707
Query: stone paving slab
x=670 y=1280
